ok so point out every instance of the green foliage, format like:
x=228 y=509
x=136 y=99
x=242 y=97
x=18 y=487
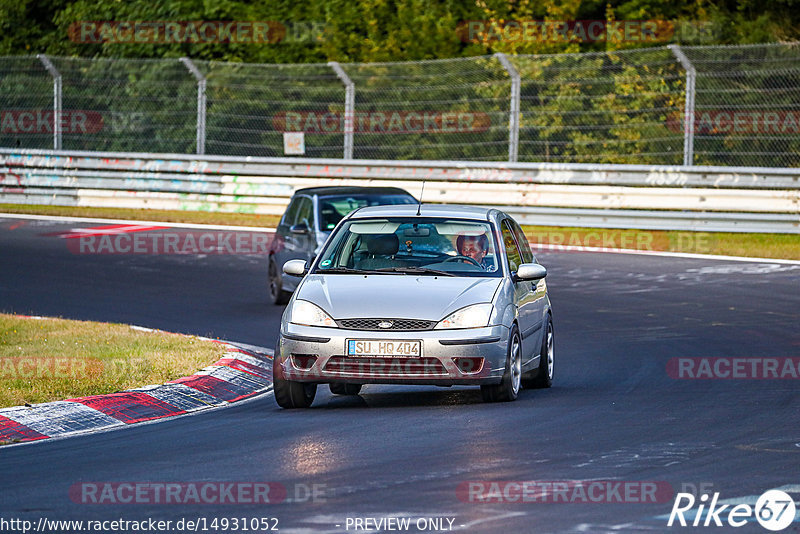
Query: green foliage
x=378 y=30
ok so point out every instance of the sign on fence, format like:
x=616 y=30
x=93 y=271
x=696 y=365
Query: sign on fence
x=294 y=143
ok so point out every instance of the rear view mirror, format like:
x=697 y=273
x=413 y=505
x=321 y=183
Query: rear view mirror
x=295 y=267
x=531 y=271
x=417 y=232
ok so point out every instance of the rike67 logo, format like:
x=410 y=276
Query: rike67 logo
x=774 y=510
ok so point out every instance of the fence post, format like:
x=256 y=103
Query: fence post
x=513 y=119
x=349 y=107
x=56 y=99
x=201 y=104
x=688 y=113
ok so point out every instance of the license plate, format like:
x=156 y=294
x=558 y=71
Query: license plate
x=384 y=348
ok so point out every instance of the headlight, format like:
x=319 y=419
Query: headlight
x=305 y=313
x=475 y=316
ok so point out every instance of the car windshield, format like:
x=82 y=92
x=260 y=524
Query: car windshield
x=334 y=208
x=412 y=245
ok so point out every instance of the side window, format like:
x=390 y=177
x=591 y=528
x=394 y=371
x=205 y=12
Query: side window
x=291 y=212
x=512 y=252
x=305 y=212
x=524 y=246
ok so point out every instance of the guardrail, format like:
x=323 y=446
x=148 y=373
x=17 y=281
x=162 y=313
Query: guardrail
x=738 y=199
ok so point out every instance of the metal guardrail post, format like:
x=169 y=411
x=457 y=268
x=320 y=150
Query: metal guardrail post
x=201 y=104
x=688 y=114
x=513 y=119
x=349 y=107
x=56 y=99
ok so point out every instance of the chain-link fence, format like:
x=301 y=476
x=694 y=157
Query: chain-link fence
x=711 y=105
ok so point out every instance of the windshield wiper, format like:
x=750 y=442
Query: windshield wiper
x=346 y=270
x=416 y=270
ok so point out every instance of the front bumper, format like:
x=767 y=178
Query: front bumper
x=471 y=356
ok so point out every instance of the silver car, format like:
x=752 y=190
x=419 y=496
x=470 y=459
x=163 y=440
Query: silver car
x=429 y=294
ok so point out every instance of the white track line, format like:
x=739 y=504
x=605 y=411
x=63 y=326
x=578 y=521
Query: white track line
x=544 y=248
x=535 y=247
x=125 y=221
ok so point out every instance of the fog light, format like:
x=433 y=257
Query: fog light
x=304 y=362
x=469 y=365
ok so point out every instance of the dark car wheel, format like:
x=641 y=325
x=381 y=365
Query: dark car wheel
x=508 y=388
x=338 y=388
x=288 y=393
x=543 y=376
x=277 y=294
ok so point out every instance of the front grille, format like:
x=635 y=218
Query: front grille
x=386 y=367
x=397 y=324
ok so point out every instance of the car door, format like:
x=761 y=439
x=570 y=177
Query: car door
x=536 y=304
x=280 y=254
x=523 y=294
x=298 y=246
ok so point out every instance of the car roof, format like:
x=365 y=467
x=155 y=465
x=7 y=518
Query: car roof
x=325 y=191
x=427 y=210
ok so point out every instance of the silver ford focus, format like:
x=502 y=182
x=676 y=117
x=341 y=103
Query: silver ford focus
x=431 y=294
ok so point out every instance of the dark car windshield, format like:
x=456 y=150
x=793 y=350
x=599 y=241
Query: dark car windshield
x=333 y=209
x=412 y=245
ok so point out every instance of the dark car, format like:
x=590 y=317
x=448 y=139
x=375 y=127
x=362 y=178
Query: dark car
x=312 y=214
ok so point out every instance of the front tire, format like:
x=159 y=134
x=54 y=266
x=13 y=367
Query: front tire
x=508 y=388
x=277 y=294
x=288 y=393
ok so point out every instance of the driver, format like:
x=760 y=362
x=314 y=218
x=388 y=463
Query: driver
x=475 y=247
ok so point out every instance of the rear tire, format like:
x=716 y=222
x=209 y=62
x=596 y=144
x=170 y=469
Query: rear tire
x=508 y=388
x=339 y=388
x=277 y=294
x=544 y=374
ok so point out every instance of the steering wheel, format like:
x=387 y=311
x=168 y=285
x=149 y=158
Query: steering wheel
x=462 y=258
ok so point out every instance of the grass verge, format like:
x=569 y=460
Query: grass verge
x=44 y=360
x=781 y=246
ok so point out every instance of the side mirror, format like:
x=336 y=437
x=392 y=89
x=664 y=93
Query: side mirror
x=531 y=271
x=301 y=228
x=295 y=267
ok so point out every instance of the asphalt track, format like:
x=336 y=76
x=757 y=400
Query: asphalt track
x=614 y=412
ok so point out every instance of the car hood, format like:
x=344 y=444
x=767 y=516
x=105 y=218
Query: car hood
x=401 y=296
